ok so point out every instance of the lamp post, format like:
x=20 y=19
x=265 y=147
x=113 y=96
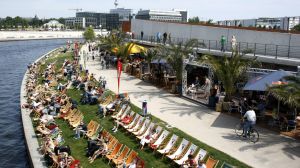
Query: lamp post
x=100 y=26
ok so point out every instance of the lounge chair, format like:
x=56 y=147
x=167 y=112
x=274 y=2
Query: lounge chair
x=146 y=131
x=138 y=124
x=128 y=158
x=114 y=152
x=133 y=122
x=160 y=139
x=166 y=149
x=143 y=128
x=175 y=154
x=211 y=163
x=192 y=149
x=201 y=154
x=120 y=112
x=122 y=155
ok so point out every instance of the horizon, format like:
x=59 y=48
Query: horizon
x=205 y=9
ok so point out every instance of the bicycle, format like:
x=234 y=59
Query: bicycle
x=252 y=134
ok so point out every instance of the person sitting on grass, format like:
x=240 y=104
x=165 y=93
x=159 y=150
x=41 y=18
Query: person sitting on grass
x=101 y=151
x=190 y=162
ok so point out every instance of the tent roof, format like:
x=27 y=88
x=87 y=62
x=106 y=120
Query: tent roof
x=260 y=83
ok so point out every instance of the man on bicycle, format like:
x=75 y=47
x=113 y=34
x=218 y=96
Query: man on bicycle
x=250 y=121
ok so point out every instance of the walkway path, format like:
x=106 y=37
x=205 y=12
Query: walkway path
x=212 y=128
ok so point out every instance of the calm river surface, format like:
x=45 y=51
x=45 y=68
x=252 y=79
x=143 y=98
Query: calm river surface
x=14 y=58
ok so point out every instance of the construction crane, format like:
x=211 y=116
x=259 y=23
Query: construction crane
x=77 y=9
x=116 y=3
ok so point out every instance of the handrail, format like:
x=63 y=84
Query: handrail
x=277 y=51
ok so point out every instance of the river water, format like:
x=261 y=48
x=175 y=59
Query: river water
x=14 y=58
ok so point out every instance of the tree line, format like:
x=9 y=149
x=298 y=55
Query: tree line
x=24 y=23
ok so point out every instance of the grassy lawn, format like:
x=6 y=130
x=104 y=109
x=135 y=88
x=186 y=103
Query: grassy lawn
x=152 y=159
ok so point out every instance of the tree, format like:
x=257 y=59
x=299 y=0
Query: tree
x=296 y=28
x=288 y=93
x=209 y=22
x=149 y=55
x=229 y=70
x=194 y=20
x=113 y=40
x=123 y=51
x=175 y=54
x=61 y=20
x=89 y=34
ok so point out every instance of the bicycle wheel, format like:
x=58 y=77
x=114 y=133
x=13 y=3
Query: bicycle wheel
x=239 y=129
x=254 y=135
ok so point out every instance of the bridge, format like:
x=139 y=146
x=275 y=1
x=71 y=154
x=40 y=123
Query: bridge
x=267 y=53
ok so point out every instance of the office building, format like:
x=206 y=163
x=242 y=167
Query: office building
x=156 y=15
x=124 y=14
x=107 y=21
x=281 y=23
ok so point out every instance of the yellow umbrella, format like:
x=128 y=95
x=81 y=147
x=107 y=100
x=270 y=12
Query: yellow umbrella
x=134 y=49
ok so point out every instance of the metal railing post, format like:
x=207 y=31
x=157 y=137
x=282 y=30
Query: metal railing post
x=208 y=45
x=254 y=48
x=276 y=51
x=239 y=47
x=288 y=54
x=265 y=49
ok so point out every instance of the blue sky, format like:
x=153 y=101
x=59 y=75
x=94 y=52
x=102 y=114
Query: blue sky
x=205 y=9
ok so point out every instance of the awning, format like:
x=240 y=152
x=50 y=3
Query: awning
x=261 y=83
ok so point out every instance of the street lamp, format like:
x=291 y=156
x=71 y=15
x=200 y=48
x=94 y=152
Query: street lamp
x=100 y=26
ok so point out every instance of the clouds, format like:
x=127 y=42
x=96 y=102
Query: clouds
x=205 y=9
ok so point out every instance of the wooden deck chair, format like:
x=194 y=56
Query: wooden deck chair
x=133 y=122
x=53 y=83
x=138 y=124
x=113 y=153
x=122 y=155
x=160 y=139
x=90 y=126
x=120 y=112
x=149 y=129
x=77 y=123
x=211 y=163
x=179 y=151
x=191 y=151
x=93 y=131
x=201 y=155
x=170 y=144
x=130 y=158
x=70 y=113
x=126 y=112
x=227 y=165
x=75 y=118
x=143 y=128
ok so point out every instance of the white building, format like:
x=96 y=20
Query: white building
x=53 y=25
x=171 y=16
x=288 y=23
x=124 y=14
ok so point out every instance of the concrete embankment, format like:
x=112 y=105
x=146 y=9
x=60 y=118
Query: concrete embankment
x=41 y=35
x=36 y=160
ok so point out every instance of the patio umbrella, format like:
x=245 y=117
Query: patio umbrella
x=260 y=83
x=135 y=49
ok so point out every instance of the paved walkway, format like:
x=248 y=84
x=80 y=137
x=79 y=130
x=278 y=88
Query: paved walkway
x=212 y=128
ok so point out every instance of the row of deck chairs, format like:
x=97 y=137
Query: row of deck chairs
x=141 y=127
x=118 y=154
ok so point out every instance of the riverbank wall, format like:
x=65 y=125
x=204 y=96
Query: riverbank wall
x=36 y=160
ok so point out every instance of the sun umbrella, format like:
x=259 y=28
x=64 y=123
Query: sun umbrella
x=260 y=83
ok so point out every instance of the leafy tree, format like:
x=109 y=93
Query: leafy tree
x=112 y=41
x=288 y=93
x=194 y=20
x=150 y=55
x=229 y=70
x=61 y=20
x=209 y=22
x=175 y=54
x=123 y=51
x=89 y=34
x=296 y=28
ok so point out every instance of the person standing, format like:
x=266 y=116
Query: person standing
x=165 y=36
x=233 y=43
x=158 y=37
x=142 y=35
x=222 y=41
